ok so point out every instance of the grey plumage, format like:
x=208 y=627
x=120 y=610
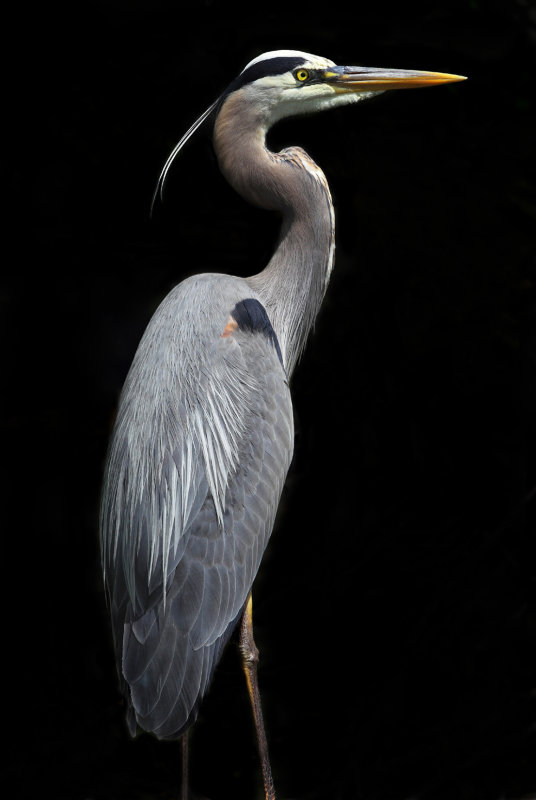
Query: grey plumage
x=197 y=462
x=204 y=431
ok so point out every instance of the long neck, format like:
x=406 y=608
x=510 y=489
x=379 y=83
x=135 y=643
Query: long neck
x=293 y=283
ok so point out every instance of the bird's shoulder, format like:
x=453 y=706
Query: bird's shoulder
x=207 y=320
x=206 y=399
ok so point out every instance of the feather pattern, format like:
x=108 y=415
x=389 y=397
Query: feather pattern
x=200 y=451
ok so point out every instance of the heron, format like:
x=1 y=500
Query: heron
x=203 y=436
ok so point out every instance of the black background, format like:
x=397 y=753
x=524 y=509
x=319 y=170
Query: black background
x=395 y=607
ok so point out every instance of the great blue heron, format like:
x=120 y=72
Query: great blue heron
x=203 y=436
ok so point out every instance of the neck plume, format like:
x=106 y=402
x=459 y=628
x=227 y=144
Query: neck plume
x=294 y=282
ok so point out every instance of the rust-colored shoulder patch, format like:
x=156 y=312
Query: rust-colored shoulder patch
x=232 y=325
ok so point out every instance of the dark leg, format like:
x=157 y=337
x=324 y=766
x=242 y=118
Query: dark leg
x=184 y=780
x=250 y=659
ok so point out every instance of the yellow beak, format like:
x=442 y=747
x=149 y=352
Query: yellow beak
x=372 y=79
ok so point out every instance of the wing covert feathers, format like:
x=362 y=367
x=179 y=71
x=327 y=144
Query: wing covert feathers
x=200 y=451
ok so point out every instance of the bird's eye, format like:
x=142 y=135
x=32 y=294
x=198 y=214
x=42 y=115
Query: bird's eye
x=301 y=75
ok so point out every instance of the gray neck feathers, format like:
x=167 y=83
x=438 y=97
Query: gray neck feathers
x=293 y=284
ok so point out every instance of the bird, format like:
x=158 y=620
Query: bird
x=203 y=435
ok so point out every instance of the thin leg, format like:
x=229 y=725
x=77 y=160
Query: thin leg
x=250 y=659
x=184 y=779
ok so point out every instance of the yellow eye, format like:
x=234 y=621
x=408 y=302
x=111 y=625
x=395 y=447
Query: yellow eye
x=302 y=75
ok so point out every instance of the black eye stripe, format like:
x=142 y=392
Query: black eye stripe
x=271 y=66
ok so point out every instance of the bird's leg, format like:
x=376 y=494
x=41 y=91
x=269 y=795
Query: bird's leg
x=184 y=778
x=250 y=659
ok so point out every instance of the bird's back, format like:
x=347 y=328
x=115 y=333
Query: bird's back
x=198 y=458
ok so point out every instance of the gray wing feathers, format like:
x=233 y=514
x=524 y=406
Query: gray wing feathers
x=199 y=455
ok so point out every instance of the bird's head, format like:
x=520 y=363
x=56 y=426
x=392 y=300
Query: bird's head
x=286 y=83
